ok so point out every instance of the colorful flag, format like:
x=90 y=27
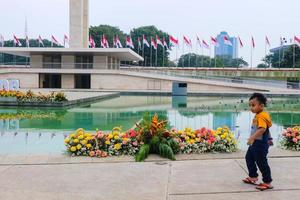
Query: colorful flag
x=27 y=41
x=1 y=40
x=173 y=41
x=54 y=40
x=241 y=43
x=159 y=42
x=145 y=42
x=214 y=41
x=252 y=41
x=118 y=42
x=267 y=41
x=66 y=40
x=153 y=43
x=129 y=42
x=17 y=41
x=40 y=40
x=297 y=40
x=104 y=42
x=165 y=43
x=92 y=42
x=227 y=41
x=187 y=41
x=205 y=45
x=139 y=43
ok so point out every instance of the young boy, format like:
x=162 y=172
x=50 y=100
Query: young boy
x=259 y=142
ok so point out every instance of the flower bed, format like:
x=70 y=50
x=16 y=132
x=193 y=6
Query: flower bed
x=150 y=136
x=30 y=96
x=290 y=138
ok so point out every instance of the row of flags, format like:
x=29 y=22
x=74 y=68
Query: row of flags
x=17 y=42
x=143 y=41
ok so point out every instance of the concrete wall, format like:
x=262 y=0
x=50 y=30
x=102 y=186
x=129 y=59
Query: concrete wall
x=123 y=82
x=26 y=80
x=36 y=61
x=67 y=81
x=100 y=62
x=67 y=62
x=79 y=23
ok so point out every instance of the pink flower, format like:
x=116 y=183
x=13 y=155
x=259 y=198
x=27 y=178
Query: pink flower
x=98 y=153
x=289 y=129
x=141 y=143
x=288 y=135
x=104 y=154
x=124 y=142
x=92 y=153
x=133 y=134
x=135 y=143
x=209 y=142
x=295 y=140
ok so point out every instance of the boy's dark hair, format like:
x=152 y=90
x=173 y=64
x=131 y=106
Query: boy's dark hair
x=260 y=98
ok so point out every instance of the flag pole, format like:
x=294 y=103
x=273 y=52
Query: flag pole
x=150 y=51
x=294 y=48
x=183 y=53
x=251 y=56
x=143 y=51
x=202 y=56
x=156 y=56
x=196 y=55
x=210 y=54
x=163 y=61
x=190 y=57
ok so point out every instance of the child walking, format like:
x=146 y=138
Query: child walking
x=259 y=142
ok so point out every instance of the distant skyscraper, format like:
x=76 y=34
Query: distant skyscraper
x=224 y=49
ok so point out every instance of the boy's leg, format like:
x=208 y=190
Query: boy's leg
x=250 y=160
x=262 y=163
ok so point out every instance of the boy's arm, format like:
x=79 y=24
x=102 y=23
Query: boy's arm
x=259 y=132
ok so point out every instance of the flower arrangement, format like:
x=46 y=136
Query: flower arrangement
x=151 y=135
x=30 y=96
x=290 y=138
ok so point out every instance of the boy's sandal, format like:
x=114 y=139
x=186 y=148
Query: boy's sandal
x=264 y=186
x=251 y=181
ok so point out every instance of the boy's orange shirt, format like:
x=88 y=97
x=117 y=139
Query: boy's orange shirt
x=261 y=120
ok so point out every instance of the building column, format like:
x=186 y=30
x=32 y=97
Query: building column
x=67 y=81
x=100 y=62
x=36 y=61
x=68 y=62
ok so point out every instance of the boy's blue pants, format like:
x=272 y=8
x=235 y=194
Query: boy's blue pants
x=257 y=156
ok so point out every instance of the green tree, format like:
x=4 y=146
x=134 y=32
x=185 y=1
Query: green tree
x=151 y=32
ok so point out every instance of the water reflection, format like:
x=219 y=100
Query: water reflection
x=194 y=112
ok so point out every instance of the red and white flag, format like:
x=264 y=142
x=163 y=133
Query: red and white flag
x=227 y=41
x=17 y=41
x=187 y=41
x=104 y=42
x=204 y=44
x=297 y=40
x=66 y=40
x=252 y=41
x=173 y=41
x=267 y=41
x=27 y=40
x=118 y=42
x=165 y=43
x=159 y=42
x=139 y=43
x=241 y=43
x=129 y=42
x=92 y=42
x=214 y=41
x=199 y=41
x=153 y=44
x=40 y=41
x=1 y=40
x=54 y=41
x=145 y=42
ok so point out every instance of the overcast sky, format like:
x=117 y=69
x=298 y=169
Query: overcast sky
x=204 y=18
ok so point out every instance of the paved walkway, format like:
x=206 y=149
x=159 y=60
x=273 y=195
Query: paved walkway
x=208 y=176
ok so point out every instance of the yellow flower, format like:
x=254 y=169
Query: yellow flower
x=80 y=131
x=80 y=137
x=117 y=128
x=83 y=142
x=223 y=136
x=117 y=146
x=73 y=148
x=107 y=142
x=116 y=137
x=79 y=146
x=88 y=145
x=115 y=133
x=67 y=140
x=192 y=141
x=219 y=129
x=75 y=140
x=187 y=138
x=72 y=135
x=180 y=132
x=193 y=135
x=110 y=136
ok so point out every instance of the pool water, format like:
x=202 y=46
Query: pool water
x=41 y=131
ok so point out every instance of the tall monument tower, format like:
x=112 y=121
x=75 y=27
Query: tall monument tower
x=79 y=23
